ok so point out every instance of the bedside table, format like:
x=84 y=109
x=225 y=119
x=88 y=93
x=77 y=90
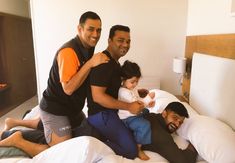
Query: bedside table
x=182 y=98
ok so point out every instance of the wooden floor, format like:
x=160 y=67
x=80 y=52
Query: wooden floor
x=5 y=104
x=5 y=110
x=19 y=111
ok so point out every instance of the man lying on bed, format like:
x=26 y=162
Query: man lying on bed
x=162 y=125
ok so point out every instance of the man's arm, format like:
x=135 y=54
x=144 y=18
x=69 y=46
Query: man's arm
x=173 y=154
x=191 y=148
x=76 y=81
x=101 y=97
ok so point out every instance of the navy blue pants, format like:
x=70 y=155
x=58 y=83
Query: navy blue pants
x=119 y=138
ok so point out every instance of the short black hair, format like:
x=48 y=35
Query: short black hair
x=117 y=28
x=88 y=15
x=130 y=69
x=178 y=108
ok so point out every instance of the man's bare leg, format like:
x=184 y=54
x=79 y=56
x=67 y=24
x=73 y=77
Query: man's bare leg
x=16 y=140
x=11 y=122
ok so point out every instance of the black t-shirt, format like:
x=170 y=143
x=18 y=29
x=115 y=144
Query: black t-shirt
x=105 y=75
x=163 y=143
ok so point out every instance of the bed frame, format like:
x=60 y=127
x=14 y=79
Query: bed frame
x=211 y=93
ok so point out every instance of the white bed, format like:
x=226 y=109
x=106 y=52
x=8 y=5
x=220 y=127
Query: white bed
x=210 y=127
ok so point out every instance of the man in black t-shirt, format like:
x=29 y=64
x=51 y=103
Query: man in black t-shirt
x=105 y=81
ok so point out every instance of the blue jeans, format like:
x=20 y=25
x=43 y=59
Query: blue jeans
x=119 y=138
x=141 y=128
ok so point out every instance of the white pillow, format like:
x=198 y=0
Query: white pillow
x=213 y=139
x=162 y=99
x=82 y=149
x=33 y=113
x=162 y=94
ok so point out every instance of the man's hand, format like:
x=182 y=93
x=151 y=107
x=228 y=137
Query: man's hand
x=136 y=107
x=98 y=59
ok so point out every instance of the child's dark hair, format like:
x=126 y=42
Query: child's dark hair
x=178 y=108
x=130 y=69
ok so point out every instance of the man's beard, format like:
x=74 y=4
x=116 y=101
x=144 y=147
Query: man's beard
x=171 y=127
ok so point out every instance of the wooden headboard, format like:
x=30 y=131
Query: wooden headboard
x=222 y=45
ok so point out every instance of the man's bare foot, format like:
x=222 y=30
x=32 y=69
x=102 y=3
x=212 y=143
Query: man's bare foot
x=9 y=124
x=11 y=140
x=143 y=156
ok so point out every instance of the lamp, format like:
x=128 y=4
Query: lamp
x=179 y=67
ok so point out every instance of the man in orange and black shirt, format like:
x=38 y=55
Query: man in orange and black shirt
x=63 y=100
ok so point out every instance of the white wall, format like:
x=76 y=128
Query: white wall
x=15 y=7
x=210 y=17
x=158 y=30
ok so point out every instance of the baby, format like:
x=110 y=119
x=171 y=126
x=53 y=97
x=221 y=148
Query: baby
x=130 y=73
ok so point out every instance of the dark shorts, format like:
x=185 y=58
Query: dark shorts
x=36 y=136
x=60 y=125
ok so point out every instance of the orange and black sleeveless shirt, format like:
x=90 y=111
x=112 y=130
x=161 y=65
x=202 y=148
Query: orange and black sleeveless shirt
x=67 y=62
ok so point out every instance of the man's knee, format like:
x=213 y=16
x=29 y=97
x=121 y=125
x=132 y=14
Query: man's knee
x=55 y=139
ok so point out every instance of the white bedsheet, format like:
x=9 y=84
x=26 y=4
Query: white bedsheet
x=87 y=149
